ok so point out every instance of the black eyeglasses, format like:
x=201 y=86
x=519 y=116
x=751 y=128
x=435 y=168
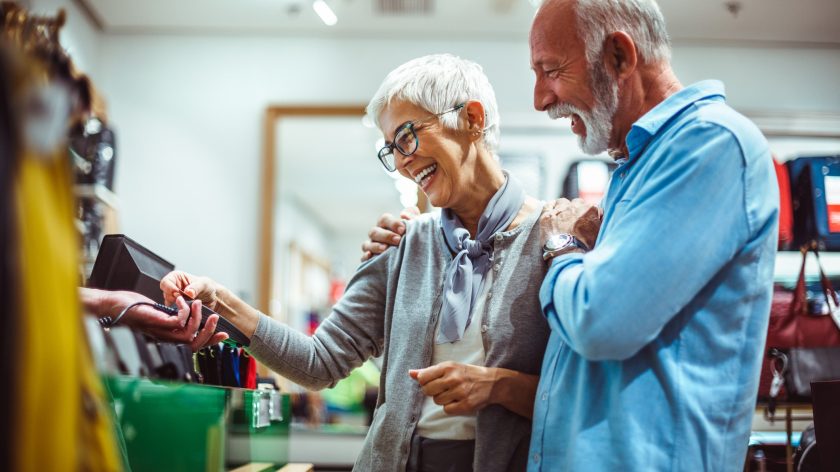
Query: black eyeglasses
x=406 y=141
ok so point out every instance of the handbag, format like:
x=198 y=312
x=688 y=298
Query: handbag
x=803 y=339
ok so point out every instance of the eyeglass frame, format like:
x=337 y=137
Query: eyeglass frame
x=389 y=148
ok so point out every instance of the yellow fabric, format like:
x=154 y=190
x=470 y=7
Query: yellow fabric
x=63 y=424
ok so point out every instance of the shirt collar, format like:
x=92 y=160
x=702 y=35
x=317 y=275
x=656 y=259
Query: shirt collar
x=651 y=122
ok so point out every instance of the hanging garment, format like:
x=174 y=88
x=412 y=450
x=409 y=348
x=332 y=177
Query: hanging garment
x=60 y=421
x=248 y=370
x=230 y=367
x=8 y=259
x=60 y=403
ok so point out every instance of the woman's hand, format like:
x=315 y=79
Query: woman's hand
x=198 y=288
x=464 y=389
x=214 y=296
x=387 y=232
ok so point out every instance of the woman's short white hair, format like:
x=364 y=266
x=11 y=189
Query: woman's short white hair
x=641 y=19
x=436 y=83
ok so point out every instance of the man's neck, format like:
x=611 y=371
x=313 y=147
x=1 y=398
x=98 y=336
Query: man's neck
x=642 y=93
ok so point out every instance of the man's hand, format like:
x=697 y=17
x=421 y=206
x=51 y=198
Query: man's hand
x=387 y=232
x=586 y=227
x=461 y=389
x=574 y=217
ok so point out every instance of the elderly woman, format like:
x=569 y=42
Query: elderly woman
x=453 y=310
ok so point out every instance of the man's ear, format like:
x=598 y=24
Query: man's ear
x=620 y=55
x=474 y=117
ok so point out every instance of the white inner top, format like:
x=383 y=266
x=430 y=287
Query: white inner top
x=434 y=422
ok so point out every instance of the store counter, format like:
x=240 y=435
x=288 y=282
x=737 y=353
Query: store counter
x=182 y=426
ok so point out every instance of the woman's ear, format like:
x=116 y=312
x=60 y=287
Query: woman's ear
x=474 y=117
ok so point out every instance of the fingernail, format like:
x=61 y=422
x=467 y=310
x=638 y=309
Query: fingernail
x=395 y=239
x=401 y=230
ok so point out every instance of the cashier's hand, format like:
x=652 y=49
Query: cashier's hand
x=181 y=328
x=387 y=232
x=461 y=389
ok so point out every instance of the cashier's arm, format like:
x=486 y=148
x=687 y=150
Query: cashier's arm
x=180 y=328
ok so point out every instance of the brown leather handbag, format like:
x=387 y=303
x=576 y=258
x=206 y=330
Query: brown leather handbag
x=803 y=339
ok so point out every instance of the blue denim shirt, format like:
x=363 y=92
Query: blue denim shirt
x=657 y=334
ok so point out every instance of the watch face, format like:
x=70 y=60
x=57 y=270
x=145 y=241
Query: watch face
x=557 y=242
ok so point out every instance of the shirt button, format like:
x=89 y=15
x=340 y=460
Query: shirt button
x=544 y=396
x=413 y=419
x=497 y=267
x=498 y=237
x=536 y=457
x=489 y=294
x=484 y=328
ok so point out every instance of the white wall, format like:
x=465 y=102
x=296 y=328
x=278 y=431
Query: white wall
x=188 y=111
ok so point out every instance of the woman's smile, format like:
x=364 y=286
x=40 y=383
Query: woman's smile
x=425 y=176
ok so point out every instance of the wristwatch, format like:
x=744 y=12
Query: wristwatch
x=560 y=244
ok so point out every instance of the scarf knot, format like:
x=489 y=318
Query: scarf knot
x=465 y=273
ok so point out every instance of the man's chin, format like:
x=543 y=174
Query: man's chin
x=590 y=147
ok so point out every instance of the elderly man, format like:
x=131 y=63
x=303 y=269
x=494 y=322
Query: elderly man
x=657 y=331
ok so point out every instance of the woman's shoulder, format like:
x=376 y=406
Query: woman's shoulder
x=422 y=226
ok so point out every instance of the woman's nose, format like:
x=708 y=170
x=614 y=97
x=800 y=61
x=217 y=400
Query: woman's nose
x=401 y=161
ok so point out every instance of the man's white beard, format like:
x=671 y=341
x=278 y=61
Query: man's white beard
x=598 y=121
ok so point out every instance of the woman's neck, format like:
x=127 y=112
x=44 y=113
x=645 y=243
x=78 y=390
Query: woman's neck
x=486 y=182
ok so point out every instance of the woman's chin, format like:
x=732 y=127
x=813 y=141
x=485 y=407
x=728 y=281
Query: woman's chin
x=436 y=200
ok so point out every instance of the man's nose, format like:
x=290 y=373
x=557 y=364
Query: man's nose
x=543 y=96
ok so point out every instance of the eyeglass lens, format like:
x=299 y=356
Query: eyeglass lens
x=405 y=142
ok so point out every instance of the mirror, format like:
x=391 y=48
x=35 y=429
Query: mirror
x=323 y=189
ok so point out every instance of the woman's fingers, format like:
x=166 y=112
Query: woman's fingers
x=172 y=283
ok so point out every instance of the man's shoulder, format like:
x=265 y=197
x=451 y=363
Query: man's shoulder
x=718 y=115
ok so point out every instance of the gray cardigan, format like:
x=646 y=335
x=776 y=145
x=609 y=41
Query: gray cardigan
x=391 y=308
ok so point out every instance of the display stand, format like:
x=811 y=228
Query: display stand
x=182 y=426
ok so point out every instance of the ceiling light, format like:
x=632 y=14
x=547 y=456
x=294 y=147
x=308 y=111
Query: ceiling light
x=325 y=12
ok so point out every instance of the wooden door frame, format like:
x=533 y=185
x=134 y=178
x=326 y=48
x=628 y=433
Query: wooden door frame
x=268 y=186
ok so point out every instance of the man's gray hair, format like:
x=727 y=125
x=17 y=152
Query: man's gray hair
x=437 y=83
x=641 y=19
